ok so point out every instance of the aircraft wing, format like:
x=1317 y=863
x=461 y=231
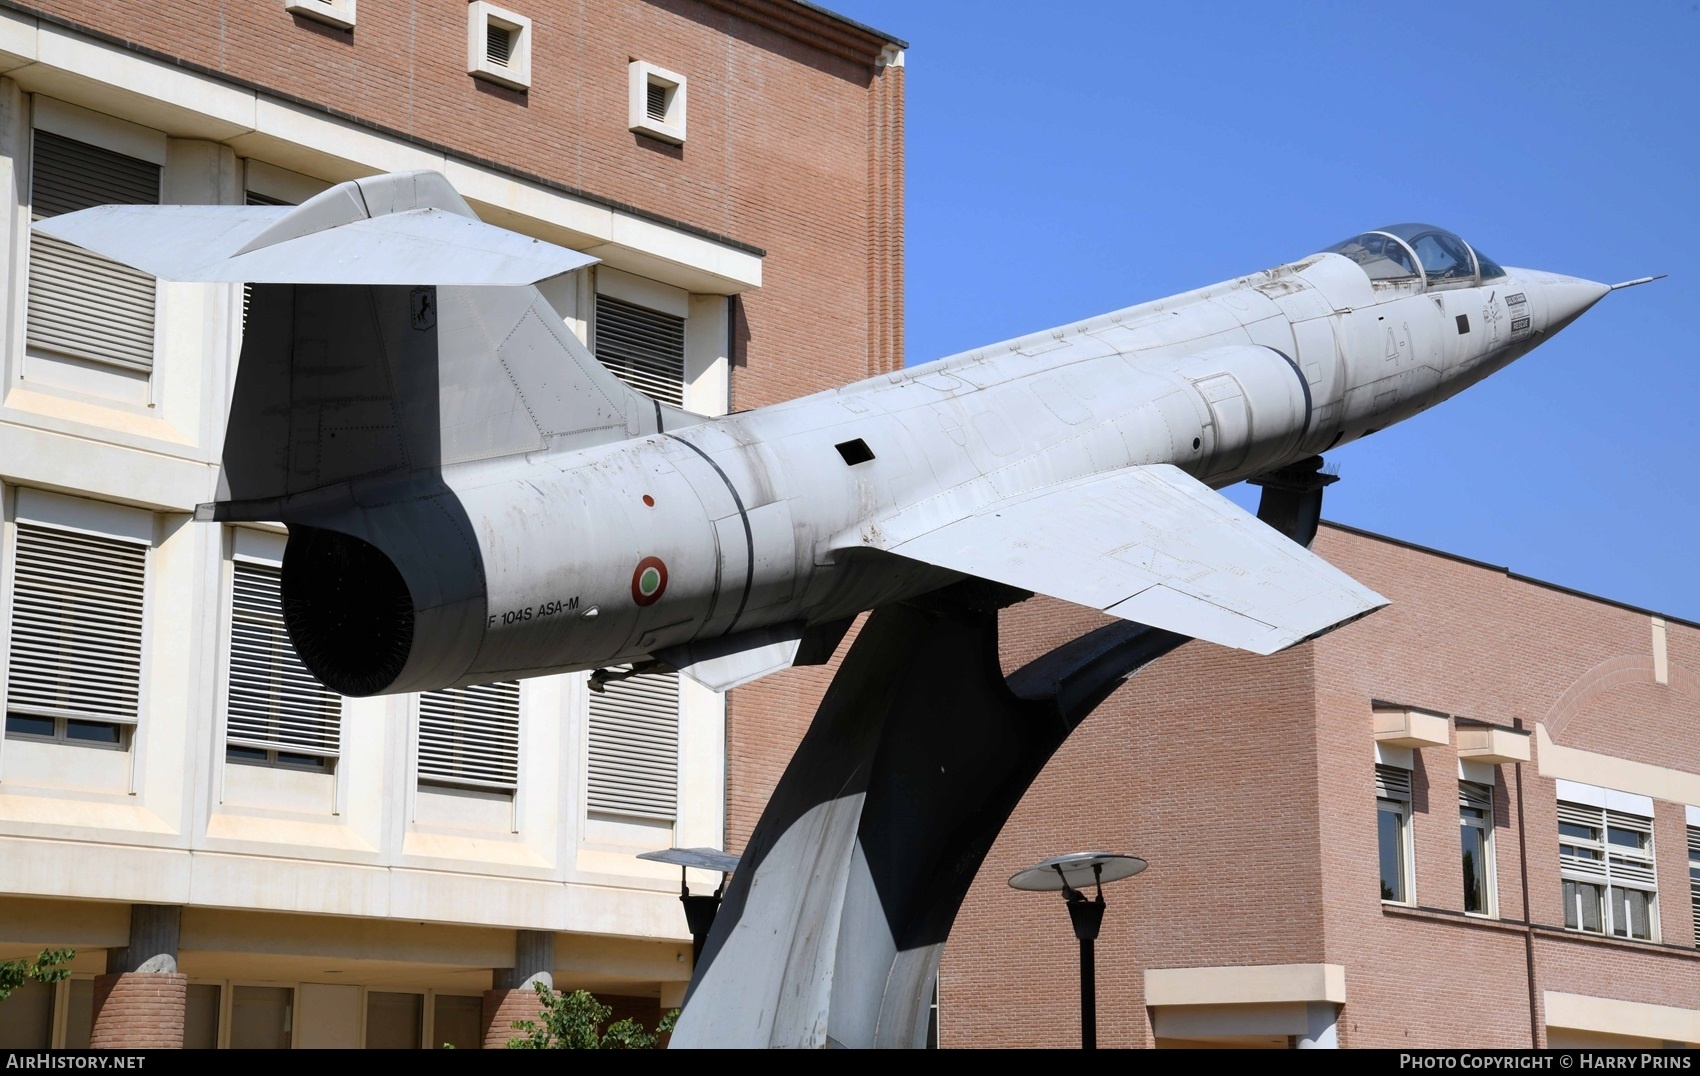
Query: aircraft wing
x=1153 y=545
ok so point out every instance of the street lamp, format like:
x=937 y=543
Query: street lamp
x=699 y=910
x=1070 y=874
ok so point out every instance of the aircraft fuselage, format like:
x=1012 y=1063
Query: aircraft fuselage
x=607 y=555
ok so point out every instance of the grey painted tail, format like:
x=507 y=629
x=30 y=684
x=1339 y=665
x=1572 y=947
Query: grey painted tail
x=339 y=382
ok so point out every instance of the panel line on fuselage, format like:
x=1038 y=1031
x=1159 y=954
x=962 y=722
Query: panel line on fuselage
x=749 y=538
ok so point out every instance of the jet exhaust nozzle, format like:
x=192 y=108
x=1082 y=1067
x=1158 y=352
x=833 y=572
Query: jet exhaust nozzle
x=349 y=613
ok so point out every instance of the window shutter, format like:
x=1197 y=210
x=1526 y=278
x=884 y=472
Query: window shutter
x=634 y=747
x=76 y=626
x=644 y=348
x=1392 y=783
x=81 y=304
x=1475 y=796
x=1590 y=864
x=470 y=736
x=1694 y=880
x=1631 y=865
x=655 y=102
x=275 y=703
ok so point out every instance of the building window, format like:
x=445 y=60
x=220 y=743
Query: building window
x=469 y=736
x=634 y=748
x=657 y=102
x=337 y=13
x=457 y=1022
x=200 y=1016
x=74 y=668
x=278 y=713
x=82 y=305
x=1475 y=816
x=1606 y=862
x=26 y=1018
x=644 y=348
x=261 y=1017
x=1393 y=832
x=1694 y=880
x=498 y=46
x=394 y=1021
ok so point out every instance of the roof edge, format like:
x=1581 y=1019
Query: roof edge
x=817 y=26
x=1503 y=570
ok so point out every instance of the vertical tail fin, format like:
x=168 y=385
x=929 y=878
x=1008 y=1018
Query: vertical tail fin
x=341 y=381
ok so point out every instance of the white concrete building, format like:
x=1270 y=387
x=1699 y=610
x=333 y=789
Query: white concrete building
x=324 y=871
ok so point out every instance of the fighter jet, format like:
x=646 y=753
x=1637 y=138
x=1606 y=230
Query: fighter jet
x=472 y=497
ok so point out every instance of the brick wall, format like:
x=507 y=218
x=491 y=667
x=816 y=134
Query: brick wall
x=1474 y=641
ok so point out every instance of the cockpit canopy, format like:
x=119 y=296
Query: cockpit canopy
x=1406 y=251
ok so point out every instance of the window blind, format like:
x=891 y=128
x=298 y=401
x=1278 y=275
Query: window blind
x=274 y=702
x=642 y=347
x=76 y=646
x=1392 y=783
x=634 y=747
x=1475 y=796
x=81 y=304
x=470 y=736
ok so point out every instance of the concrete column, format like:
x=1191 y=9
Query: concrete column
x=514 y=996
x=140 y=1003
x=1321 y=1026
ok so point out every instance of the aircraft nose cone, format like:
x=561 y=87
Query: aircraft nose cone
x=1568 y=297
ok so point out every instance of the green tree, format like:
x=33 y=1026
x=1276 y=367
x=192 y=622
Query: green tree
x=50 y=966
x=574 y=1022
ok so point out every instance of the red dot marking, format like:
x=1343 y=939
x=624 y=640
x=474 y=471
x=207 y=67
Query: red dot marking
x=648 y=500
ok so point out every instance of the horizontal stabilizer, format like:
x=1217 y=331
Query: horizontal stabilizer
x=403 y=229
x=1153 y=545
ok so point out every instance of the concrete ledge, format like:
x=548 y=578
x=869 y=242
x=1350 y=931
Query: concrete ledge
x=1492 y=745
x=1251 y=984
x=1579 y=1012
x=1639 y=778
x=1409 y=727
x=1222 y=1021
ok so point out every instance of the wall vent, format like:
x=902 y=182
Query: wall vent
x=337 y=13
x=657 y=102
x=498 y=45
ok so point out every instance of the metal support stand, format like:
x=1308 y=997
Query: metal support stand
x=1292 y=498
x=831 y=930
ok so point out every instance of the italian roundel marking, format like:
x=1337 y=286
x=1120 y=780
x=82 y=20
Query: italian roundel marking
x=649 y=581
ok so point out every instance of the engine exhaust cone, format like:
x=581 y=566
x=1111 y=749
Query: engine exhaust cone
x=348 y=611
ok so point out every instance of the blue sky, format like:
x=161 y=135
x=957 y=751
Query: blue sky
x=1069 y=159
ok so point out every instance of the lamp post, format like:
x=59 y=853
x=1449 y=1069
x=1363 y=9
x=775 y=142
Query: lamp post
x=1070 y=874
x=699 y=910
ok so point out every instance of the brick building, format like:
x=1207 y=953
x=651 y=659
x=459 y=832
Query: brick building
x=238 y=857
x=1515 y=766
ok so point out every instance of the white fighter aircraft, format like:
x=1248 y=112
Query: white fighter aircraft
x=472 y=497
